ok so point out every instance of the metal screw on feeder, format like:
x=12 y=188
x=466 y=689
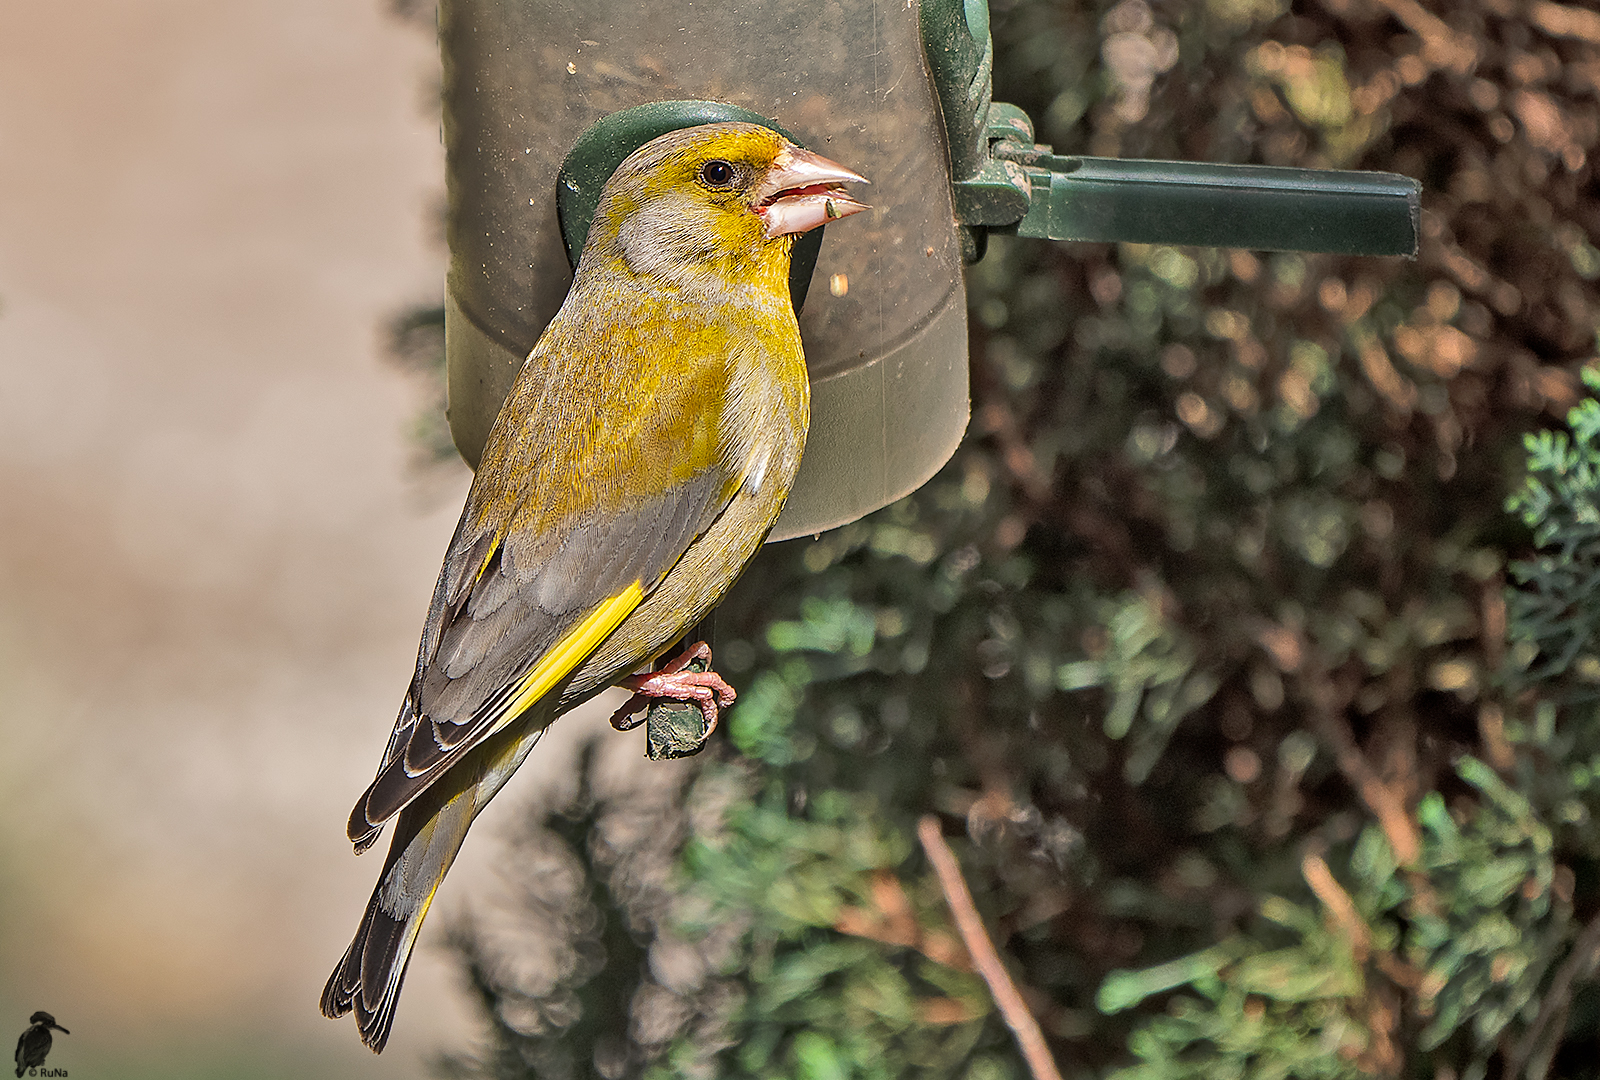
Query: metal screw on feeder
x=545 y=99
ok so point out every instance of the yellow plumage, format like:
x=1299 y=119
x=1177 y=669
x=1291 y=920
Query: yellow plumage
x=636 y=467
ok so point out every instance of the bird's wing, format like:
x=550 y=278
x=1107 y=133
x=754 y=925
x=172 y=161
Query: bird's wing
x=519 y=606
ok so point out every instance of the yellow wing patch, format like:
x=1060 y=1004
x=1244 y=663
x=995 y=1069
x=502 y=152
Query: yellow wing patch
x=573 y=648
x=488 y=557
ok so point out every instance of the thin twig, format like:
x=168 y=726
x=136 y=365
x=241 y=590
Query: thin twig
x=1580 y=964
x=892 y=921
x=1012 y=1007
x=1386 y=801
x=1340 y=907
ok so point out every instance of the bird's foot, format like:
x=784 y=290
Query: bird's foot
x=687 y=677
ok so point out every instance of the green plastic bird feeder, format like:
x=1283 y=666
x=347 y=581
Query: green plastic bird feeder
x=543 y=98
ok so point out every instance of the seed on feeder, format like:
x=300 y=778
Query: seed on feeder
x=839 y=284
x=572 y=69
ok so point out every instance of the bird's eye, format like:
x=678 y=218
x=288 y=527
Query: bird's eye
x=717 y=174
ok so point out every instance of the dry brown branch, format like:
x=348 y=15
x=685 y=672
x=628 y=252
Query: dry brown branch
x=892 y=921
x=1569 y=22
x=1386 y=801
x=1383 y=1056
x=1492 y=733
x=1006 y=996
x=1494 y=624
x=1341 y=909
x=1442 y=46
x=944 y=1011
x=1404 y=975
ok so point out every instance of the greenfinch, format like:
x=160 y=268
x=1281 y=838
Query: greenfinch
x=636 y=467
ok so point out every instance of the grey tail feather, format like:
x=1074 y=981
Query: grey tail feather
x=361 y=830
x=369 y=976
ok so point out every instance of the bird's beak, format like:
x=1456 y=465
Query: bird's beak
x=802 y=190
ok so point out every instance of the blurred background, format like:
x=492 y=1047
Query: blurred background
x=215 y=552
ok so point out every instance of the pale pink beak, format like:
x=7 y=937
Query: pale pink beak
x=801 y=191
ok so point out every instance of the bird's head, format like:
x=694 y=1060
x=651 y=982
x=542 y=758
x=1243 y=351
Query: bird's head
x=45 y=1020
x=726 y=199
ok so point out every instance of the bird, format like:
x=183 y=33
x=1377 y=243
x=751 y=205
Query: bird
x=33 y=1045
x=640 y=459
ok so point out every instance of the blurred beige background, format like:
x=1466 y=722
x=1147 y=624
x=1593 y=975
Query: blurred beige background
x=214 y=557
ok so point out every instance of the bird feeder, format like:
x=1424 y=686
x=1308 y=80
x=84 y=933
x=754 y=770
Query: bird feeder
x=544 y=98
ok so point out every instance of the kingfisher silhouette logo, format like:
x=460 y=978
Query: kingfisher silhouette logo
x=33 y=1046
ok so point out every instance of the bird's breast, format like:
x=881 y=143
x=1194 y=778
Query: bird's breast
x=632 y=393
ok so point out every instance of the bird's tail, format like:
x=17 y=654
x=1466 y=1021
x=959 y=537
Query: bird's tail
x=427 y=835
x=369 y=975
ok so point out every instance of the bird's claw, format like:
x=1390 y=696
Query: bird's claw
x=677 y=681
